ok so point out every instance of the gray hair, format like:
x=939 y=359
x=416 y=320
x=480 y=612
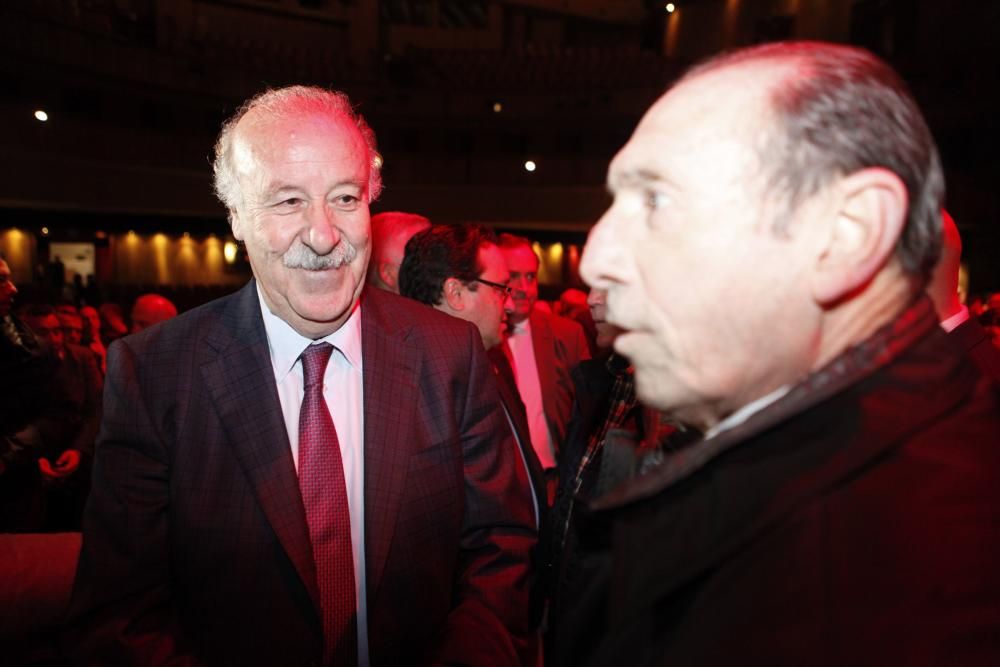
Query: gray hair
x=841 y=109
x=284 y=103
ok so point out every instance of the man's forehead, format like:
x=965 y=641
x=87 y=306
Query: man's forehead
x=493 y=263
x=719 y=108
x=302 y=138
x=521 y=258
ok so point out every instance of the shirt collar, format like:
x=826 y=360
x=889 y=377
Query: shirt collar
x=746 y=412
x=521 y=328
x=951 y=323
x=286 y=344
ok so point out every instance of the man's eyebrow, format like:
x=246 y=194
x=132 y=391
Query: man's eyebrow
x=279 y=188
x=634 y=177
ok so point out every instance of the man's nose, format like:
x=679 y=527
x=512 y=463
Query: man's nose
x=508 y=303
x=322 y=233
x=602 y=262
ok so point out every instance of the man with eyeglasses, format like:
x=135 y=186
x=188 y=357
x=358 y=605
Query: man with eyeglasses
x=460 y=270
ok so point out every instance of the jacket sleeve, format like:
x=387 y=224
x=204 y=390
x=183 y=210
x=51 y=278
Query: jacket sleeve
x=489 y=621
x=121 y=610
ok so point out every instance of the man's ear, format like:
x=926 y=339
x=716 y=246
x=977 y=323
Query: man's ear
x=389 y=274
x=237 y=224
x=453 y=294
x=869 y=209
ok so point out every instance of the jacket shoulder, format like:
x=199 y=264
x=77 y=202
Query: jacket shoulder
x=395 y=311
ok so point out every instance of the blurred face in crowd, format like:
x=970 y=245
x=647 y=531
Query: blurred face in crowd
x=391 y=231
x=304 y=216
x=695 y=276
x=488 y=305
x=92 y=320
x=597 y=300
x=72 y=327
x=522 y=262
x=7 y=289
x=48 y=330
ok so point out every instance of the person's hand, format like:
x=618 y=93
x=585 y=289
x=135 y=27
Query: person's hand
x=48 y=473
x=67 y=464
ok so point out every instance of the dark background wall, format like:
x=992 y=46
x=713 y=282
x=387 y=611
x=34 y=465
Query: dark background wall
x=461 y=94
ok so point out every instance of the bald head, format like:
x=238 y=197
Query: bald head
x=390 y=232
x=150 y=309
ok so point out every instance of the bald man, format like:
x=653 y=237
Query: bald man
x=150 y=309
x=390 y=232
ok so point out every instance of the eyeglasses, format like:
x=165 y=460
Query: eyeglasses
x=505 y=290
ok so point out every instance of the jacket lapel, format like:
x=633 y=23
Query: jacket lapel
x=518 y=417
x=236 y=369
x=391 y=371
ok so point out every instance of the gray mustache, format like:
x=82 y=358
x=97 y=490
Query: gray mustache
x=301 y=256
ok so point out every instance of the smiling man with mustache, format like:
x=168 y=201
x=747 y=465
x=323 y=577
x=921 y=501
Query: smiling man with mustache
x=306 y=471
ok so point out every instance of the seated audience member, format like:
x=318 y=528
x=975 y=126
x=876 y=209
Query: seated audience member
x=305 y=471
x=390 y=232
x=61 y=428
x=459 y=270
x=775 y=219
x=543 y=349
x=150 y=309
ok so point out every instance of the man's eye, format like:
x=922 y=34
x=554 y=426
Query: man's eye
x=348 y=202
x=291 y=202
x=653 y=200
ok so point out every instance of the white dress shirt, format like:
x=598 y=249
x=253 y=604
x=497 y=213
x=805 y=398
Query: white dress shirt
x=529 y=386
x=343 y=391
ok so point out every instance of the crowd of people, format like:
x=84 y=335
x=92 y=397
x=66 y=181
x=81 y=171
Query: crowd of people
x=53 y=356
x=767 y=433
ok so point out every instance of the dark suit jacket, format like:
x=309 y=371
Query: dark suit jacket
x=195 y=538
x=974 y=339
x=78 y=389
x=855 y=521
x=559 y=345
x=515 y=408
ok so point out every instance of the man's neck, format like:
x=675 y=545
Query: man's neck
x=857 y=319
x=841 y=327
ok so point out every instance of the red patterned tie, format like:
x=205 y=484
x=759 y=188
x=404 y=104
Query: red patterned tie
x=324 y=493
